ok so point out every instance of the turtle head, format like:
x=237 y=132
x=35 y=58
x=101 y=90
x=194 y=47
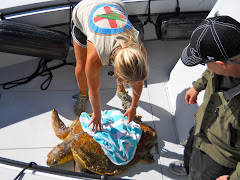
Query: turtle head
x=52 y=163
x=59 y=154
x=53 y=159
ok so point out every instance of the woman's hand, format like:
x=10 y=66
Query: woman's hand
x=191 y=96
x=96 y=123
x=131 y=112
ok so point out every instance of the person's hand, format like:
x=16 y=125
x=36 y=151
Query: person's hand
x=96 y=121
x=191 y=96
x=131 y=112
x=224 y=177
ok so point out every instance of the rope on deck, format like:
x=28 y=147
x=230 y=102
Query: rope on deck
x=29 y=165
x=42 y=70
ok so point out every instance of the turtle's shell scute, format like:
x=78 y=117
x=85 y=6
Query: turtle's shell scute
x=91 y=153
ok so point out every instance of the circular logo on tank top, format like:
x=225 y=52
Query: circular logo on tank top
x=108 y=19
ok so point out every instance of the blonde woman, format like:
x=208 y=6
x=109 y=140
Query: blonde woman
x=103 y=35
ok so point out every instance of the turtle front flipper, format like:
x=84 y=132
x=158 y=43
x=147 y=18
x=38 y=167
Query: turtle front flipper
x=60 y=153
x=59 y=127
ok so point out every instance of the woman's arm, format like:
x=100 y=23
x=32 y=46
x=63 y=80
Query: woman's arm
x=92 y=69
x=137 y=91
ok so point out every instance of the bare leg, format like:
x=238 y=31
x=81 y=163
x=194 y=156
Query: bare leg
x=81 y=55
x=121 y=92
x=120 y=83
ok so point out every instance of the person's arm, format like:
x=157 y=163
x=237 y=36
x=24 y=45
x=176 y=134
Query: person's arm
x=201 y=83
x=92 y=69
x=137 y=91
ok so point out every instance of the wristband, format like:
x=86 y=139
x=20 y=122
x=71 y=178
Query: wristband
x=134 y=107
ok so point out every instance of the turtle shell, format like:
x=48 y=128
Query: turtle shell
x=89 y=155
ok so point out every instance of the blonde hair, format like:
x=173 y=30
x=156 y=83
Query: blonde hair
x=130 y=62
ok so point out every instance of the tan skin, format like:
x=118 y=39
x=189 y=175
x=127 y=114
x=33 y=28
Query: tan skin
x=220 y=68
x=88 y=66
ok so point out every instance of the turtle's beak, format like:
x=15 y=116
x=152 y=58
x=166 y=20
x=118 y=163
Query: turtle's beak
x=52 y=163
x=52 y=160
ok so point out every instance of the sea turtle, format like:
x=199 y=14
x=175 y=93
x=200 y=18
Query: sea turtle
x=88 y=154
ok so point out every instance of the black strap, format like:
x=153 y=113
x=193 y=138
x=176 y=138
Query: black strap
x=178 y=8
x=231 y=92
x=29 y=165
x=2 y=17
x=42 y=70
x=149 y=13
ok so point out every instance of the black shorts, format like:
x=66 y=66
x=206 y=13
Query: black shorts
x=78 y=36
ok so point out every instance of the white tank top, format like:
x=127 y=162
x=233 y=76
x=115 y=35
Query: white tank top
x=102 y=21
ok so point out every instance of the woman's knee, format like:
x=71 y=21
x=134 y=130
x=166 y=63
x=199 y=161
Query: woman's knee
x=80 y=69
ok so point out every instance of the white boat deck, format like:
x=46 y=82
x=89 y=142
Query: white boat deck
x=25 y=126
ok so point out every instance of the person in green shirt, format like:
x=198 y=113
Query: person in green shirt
x=213 y=147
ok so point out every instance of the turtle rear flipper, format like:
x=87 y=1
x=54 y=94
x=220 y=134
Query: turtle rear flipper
x=137 y=118
x=148 y=158
x=79 y=164
x=59 y=127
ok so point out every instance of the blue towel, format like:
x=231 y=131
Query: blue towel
x=118 y=139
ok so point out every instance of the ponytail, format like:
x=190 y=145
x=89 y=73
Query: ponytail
x=129 y=61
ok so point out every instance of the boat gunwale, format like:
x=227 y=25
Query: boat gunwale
x=55 y=171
